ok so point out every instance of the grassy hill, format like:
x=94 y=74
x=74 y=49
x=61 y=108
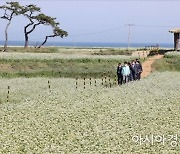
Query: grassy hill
x=60 y=62
x=170 y=62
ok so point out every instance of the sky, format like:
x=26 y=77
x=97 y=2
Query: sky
x=102 y=20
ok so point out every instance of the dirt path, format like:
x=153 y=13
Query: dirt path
x=147 y=65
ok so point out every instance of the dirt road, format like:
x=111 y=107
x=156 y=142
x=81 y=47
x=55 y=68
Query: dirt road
x=147 y=65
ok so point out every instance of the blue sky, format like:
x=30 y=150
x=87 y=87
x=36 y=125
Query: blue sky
x=103 y=21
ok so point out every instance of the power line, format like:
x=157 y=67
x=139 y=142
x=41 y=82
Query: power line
x=155 y=26
x=116 y=28
x=98 y=32
x=86 y=34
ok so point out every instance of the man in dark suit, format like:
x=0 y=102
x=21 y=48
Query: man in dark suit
x=133 y=70
x=119 y=74
x=139 y=69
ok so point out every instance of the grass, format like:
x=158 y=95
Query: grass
x=170 y=62
x=56 y=56
x=31 y=50
x=58 y=65
x=57 y=68
x=113 y=52
x=172 y=55
x=71 y=50
x=94 y=120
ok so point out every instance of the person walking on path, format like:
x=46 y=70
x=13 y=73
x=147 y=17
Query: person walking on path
x=125 y=72
x=132 y=75
x=138 y=69
x=133 y=69
x=119 y=74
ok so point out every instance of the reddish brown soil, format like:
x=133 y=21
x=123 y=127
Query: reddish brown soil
x=147 y=65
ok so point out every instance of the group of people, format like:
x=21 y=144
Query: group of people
x=129 y=71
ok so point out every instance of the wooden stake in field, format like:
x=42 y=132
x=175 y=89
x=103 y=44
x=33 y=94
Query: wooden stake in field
x=84 y=83
x=8 y=93
x=90 y=81
x=76 y=82
x=49 y=86
x=102 y=81
x=109 y=81
x=105 y=82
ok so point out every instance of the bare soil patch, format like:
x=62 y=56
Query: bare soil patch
x=147 y=65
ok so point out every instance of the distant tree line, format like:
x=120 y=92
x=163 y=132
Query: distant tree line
x=35 y=18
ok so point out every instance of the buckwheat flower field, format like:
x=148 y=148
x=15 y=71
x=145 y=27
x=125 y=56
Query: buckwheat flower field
x=52 y=56
x=172 y=54
x=98 y=119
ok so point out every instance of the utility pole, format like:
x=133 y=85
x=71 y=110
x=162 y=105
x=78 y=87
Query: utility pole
x=129 y=34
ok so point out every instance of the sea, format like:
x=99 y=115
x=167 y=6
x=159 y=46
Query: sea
x=91 y=44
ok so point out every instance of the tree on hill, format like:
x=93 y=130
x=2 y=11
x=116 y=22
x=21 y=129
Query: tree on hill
x=40 y=19
x=56 y=32
x=35 y=17
x=28 y=12
x=11 y=9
